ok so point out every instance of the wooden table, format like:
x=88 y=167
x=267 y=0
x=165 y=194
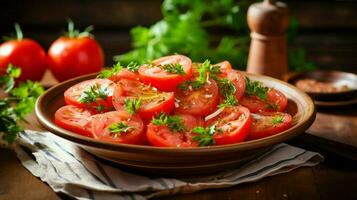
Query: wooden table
x=334 y=134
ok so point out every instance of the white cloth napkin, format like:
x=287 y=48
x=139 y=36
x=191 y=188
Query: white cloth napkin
x=69 y=169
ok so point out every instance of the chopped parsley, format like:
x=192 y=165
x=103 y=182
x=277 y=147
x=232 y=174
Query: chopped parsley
x=277 y=120
x=229 y=101
x=256 y=88
x=107 y=73
x=120 y=127
x=94 y=93
x=174 y=123
x=227 y=89
x=205 y=71
x=173 y=68
x=132 y=105
x=204 y=135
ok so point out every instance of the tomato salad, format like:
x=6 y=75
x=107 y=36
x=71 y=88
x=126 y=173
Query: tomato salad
x=172 y=102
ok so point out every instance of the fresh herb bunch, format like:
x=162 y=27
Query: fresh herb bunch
x=132 y=105
x=174 y=123
x=199 y=17
x=19 y=102
x=204 y=136
x=120 y=127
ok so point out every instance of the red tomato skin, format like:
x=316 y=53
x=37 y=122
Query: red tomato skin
x=66 y=117
x=71 y=57
x=71 y=95
x=101 y=122
x=200 y=110
x=167 y=82
x=257 y=133
x=255 y=105
x=25 y=54
x=225 y=66
x=162 y=137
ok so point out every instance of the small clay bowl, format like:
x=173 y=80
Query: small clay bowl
x=179 y=161
x=336 y=78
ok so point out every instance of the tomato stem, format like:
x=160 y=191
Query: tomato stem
x=19 y=34
x=74 y=33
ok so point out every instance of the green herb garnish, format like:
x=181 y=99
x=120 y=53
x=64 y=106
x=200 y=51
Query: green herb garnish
x=277 y=120
x=117 y=67
x=132 y=105
x=256 y=88
x=120 y=127
x=173 y=68
x=133 y=66
x=227 y=89
x=20 y=102
x=174 y=123
x=205 y=135
x=93 y=93
x=229 y=101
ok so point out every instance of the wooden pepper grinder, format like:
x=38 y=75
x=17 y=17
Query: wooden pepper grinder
x=268 y=22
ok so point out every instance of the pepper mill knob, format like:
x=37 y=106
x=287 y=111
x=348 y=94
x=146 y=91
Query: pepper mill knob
x=268 y=22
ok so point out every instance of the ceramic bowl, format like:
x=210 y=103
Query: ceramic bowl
x=179 y=161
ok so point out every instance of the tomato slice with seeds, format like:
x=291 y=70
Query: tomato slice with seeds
x=162 y=136
x=238 y=80
x=153 y=100
x=276 y=101
x=74 y=94
x=199 y=102
x=74 y=119
x=124 y=73
x=133 y=134
x=155 y=75
x=232 y=125
x=268 y=123
x=225 y=66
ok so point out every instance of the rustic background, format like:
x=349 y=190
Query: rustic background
x=328 y=28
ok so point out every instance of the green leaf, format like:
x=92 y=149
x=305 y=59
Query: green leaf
x=277 y=120
x=132 y=105
x=174 y=123
x=93 y=93
x=174 y=68
x=256 y=88
x=119 y=128
x=204 y=135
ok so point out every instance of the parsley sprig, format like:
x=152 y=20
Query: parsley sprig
x=256 y=88
x=93 y=93
x=173 y=68
x=117 y=67
x=227 y=89
x=119 y=128
x=277 y=120
x=174 y=123
x=132 y=105
x=19 y=102
x=205 y=71
x=204 y=135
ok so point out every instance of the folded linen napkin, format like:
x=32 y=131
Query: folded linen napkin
x=71 y=170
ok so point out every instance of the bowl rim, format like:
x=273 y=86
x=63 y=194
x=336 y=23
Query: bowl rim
x=247 y=145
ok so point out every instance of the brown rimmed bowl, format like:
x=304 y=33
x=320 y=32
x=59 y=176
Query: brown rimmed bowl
x=335 y=78
x=179 y=161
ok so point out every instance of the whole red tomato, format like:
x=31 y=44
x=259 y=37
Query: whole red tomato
x=25 y=54
x=75 y=54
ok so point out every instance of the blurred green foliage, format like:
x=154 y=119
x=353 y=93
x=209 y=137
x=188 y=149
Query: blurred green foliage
x=186 y=27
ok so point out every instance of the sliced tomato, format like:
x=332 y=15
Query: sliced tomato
x=155 y=75
x=74 y=119
x=101 y=124
x=200 y=102
x=73 y=95
x=153 y=100
x=124 y=73
x=276 y=101
x=232 y=125
x=225 y=66
x=238 y=80
x=162 y=136
x=268 y=123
